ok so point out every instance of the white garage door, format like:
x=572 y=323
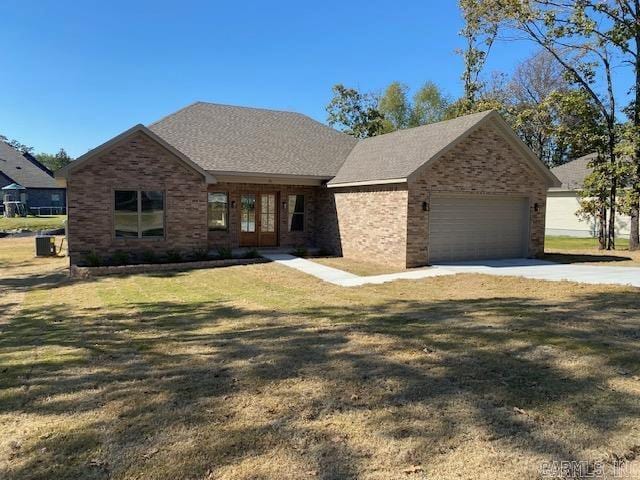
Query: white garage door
x=472 y=227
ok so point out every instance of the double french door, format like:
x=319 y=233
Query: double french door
x=258 y=219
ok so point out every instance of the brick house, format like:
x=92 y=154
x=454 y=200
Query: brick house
x=212 y=176
x=42 y=190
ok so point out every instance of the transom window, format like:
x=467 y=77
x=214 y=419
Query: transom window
x=139 y=213
x=296 y=213
x=218 y=211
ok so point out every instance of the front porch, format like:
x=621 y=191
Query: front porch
x=248 y=216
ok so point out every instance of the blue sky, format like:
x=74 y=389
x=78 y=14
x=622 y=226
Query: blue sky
x=75 y=76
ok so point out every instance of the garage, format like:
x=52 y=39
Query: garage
x=462 y=189
x=475 y=227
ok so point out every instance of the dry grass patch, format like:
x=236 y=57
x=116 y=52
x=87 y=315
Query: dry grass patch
x=356 y=267
x=263 y=372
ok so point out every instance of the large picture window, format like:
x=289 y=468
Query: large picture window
x=139 y=214
x=218 y=211
x=296 y=213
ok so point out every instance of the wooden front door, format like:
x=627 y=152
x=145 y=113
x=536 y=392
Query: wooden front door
x=258 y=219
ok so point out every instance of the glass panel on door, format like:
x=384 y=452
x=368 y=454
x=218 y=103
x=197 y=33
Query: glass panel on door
x=268 y=212
x=248 y=213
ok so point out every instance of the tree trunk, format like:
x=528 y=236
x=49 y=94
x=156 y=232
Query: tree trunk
x=633 y=233
x=602 y=226
x=634 y=239
x=611 y=231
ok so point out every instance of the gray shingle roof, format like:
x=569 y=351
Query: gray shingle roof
x=223 y=138
x=572 y=174
x=397 y=155
x=14 y=165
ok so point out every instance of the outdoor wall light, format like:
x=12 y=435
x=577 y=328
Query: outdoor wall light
x=536 y=207
x=425 y=207
x=233 y=204
x=284 y=205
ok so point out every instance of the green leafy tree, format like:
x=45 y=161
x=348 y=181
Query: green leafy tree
x=429 y=105
x=572 y=35
x=395 y=107
x=479 y=32
x=354 y=113
x=56 y=161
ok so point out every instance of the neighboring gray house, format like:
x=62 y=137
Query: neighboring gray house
x=41 y=188
x=564 y=201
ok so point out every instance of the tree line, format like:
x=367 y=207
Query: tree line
x=562 y=101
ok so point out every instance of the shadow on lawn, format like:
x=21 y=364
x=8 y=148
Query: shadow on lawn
x=169 y=367
x=584 y=258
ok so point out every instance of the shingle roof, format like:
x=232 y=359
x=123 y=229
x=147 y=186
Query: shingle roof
x=397 y=155
x=223 y=138
x=572 y=174
x=21 y=170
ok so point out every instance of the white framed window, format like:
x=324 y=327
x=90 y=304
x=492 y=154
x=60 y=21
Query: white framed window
x=218 y=211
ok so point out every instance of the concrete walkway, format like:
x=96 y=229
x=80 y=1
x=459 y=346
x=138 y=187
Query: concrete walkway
x=346 y=279
x=527 y=268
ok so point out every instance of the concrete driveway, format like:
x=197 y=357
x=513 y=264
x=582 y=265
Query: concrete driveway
x=520 y=267
x=543 y=270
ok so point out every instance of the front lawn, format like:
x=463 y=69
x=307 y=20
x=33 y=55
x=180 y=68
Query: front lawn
x=42 y=222
x=263 y=372
x=585 y=250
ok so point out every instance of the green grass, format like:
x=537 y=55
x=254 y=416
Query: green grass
x=575 y=243
x=43 y=222
x=262 y=372
x=585 y=250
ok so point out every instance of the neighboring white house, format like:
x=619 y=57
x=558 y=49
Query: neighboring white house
x=562 y=203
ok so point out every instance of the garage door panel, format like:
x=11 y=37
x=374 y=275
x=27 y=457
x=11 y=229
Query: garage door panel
x=474 y=227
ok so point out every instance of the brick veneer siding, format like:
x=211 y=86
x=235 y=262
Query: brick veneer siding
x=231 y=236
x=483 y=163
x=368 y=223
x=136 y=163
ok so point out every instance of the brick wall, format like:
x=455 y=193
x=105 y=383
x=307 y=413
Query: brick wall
x=137 y=162
x=367 y=223
x=484 y=163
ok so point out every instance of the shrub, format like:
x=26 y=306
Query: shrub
x=300 y=251
x=149 y=256
x=93 y=259
x=120 y=258
x=224 y=253
x=253 y=253
x=174 y=256
x=323 y=252
x=200 y=254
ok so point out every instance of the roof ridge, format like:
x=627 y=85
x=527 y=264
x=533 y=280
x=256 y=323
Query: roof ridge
x=250 y=108
x=481 y=114
x=259 y=109
x=172 y=114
